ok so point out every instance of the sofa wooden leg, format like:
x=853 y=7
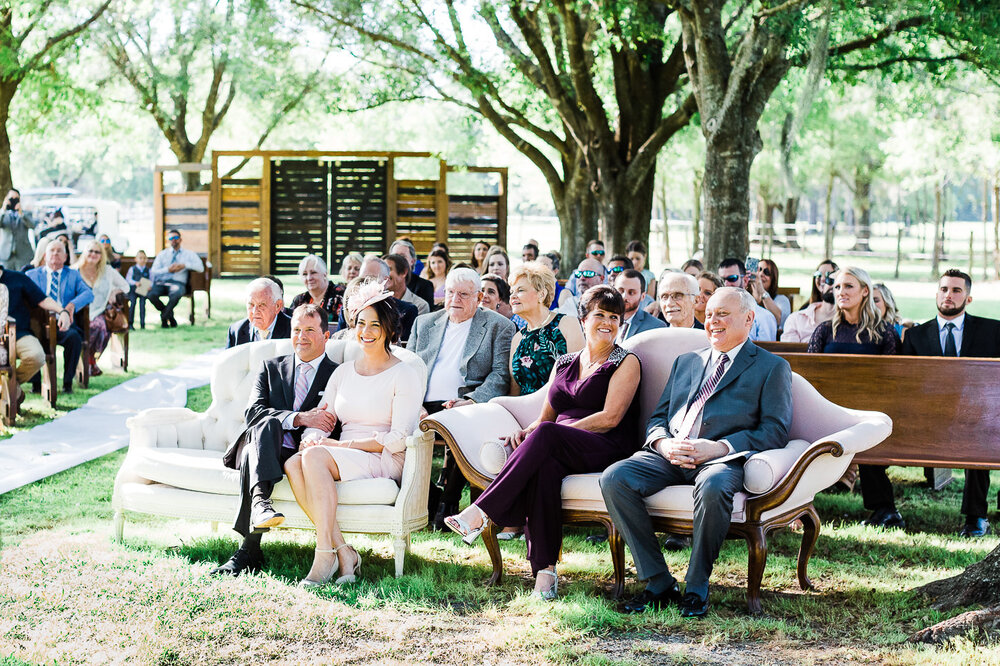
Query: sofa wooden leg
x=617 y=545
x=400 y=546
x=810 y=534
x=119 y=524
x=493 y=548
x=757 y=555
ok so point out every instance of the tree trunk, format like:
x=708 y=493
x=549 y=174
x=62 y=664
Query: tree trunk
x=828 y=220
x=7 y=90
x=863 y=214
x=938 y=230
x=996 y=230
x=986 y=228
x=577 y=213
x=977 y=585
x=696 y=214
x=727 y=195
x=625 y=215
x=790 y=213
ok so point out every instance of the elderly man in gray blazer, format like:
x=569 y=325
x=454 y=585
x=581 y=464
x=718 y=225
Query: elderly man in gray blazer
x=719 y=406
x=467 y=352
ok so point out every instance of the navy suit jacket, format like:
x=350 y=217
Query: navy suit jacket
x=239 y=333
x=642 y=321
x=72 y=288
x=751 y=408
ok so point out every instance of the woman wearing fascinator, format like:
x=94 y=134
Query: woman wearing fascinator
x=376 y=399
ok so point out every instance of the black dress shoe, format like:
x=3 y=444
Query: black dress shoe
x=676 y=542
x=694 y=606
x=443 y=511
x=975 y=528
x=67 y=388
x=646 y=600
x=263 y=515
x=243 y=561
x=886 y=518
x=597 y=538
x=173 y=322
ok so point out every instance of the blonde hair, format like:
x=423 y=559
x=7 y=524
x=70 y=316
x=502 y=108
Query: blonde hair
x=101 y=263
x=869 y=318
x=538 y=276
x=891 y=313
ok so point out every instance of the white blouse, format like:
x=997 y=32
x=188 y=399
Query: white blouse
x=102 y=289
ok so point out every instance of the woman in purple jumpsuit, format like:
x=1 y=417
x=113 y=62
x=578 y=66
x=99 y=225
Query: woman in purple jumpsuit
x=590 y=420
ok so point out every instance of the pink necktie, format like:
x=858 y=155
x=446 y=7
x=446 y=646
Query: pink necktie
x=694 y=411
x=301 y=389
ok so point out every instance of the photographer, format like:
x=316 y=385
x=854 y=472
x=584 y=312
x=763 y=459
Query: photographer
x=15 y=247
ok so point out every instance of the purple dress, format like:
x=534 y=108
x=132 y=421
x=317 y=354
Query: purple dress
x=527 y=489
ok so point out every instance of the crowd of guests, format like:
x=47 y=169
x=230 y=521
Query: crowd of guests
x=484 y=328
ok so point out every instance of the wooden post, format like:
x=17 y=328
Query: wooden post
x=502 y=209
x=265 y=216
x=391 y=214
x=158 y=211
x=441 y=203
x=972 y=251
x=899 y=250
x=215 y=219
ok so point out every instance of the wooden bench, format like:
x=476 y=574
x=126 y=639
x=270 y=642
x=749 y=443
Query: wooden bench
x=8 y=375
x=197 y=281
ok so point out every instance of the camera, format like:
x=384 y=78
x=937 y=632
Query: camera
x=12 y=203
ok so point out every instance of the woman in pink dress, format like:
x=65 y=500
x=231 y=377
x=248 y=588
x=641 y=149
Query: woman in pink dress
x=376 y=400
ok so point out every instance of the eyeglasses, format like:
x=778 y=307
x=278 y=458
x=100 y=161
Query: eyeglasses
x=462 y=295
x=579 y=275
x=616 y=269
x=827 y=276
x=94 y=252
x=677 y=295
x=733 y=278
x=597 y=253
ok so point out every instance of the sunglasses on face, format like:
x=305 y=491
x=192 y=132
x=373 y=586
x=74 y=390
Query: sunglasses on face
x=597 y=253
x=733 y=278
x=584 y=274
x=826 y=277
x=173 y=238
x=765 y=271
x=616 y=269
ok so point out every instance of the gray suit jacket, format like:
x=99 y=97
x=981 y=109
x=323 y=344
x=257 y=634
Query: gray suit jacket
x=642 y=321
x=751 y=407
x=486 y=358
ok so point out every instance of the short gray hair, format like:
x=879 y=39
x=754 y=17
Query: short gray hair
x=262 y=283
x=747 y=302
x=313 y=260
x=689 y=279
x=409 y=247
x=383 y=268
x=463 y=275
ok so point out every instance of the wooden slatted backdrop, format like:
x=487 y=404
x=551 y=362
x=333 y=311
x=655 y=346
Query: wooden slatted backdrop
x=472 y=218
x=357 y=208
x=416 y=212
x=300 y=215
x=240 y=225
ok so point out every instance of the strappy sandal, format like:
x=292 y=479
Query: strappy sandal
x=552 y=593
x=464 y=530
x=308 y=582
x=351 y=577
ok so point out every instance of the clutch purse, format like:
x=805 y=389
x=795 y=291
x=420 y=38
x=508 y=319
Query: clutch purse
x=493 y=455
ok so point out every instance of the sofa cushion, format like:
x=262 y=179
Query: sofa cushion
x=202 y=471
x=583 y=492
x=764 y=470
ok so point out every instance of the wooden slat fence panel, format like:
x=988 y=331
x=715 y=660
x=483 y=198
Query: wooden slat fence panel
x=471 y=218
x=240 y=226
x=416 y=213
x=299 y=212
x=358 y=200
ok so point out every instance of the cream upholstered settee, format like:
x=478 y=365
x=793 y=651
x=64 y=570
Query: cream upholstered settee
x=779 y=485
x=174 y=462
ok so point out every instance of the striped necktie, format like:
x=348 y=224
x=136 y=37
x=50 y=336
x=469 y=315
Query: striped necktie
x=54 y=287
x=301 y=389
x=694 y=410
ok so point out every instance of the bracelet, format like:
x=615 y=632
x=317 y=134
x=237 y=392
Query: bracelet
x=350 y=443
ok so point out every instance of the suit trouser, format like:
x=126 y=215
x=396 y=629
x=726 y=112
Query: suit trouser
x=174 y=291
x=627 y=483
x=876 y=490
x=71 y=340
x=261 y=462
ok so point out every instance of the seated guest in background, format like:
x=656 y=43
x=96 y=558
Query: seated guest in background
x=347 y=331
x=744 y=405
x=546 y=336
x=589 y=273
x=496 y=295
x=50 y=226
x=678 y=297
x=399 y=273
x=636 y=251
x=766 y=293
x=114 y=258
x=734 y=273
x=319 y=290
x=885 y=303
x=588 y=421
x=478 y=258
x=418 y=285
x=632 y=286
x=438 y=265
x=529 y=252
x=858 y=328
x=266 y=317
x=170 y=277
x=376 y=401
x=616 y=265
x=467 y=353
x=136 y=274
x=350 y=266
x=22 y=295
x=373 y=267
x=109 y=288
x=800 y=325
x=64 y=286
x=595 y=251
x=497 y=262
x=286 y=399
x=954 y=332
x=692 y=267
x=708 y=283
x=553 y=261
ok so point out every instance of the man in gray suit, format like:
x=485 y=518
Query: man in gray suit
x=467 y=353
x=719 y=405
x=631 y=284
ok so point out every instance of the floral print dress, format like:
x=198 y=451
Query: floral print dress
x=536 y=354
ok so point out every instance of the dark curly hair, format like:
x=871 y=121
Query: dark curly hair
x=604 y=297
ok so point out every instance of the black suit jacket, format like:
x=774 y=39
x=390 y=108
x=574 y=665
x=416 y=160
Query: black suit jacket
x=274 y=396
x=239 y=333
x=980 y=339
x=422 y=288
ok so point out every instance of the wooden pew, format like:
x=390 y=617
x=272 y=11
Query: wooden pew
x=45 y=328
x=8 y=377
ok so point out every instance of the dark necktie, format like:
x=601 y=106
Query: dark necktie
x=949 y=340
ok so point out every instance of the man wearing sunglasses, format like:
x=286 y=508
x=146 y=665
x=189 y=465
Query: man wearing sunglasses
x=734 y=274
x=170 y=276
x=589 y=273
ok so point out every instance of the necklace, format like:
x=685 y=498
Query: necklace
x=592 y=364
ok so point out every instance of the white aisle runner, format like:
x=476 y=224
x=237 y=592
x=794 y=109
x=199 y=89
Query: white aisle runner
x=98 y=427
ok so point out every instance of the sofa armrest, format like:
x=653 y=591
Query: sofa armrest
x=167 y=427
x=416 y=477
x=464 y=429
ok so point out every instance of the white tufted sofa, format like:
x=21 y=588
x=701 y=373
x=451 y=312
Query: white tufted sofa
x=779 y=485
x=174 y=462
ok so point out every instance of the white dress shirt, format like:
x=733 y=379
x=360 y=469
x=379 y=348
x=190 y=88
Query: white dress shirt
x=713 y=363
x=446 y=376
x=956 y=332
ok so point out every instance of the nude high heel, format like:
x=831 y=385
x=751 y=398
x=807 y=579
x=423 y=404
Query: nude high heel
x=351 y=577
x=308 y=582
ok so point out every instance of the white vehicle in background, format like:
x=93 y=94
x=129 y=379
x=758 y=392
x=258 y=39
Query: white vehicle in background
x=85 y=218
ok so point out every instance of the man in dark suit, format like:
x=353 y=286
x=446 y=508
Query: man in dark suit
x=719 y=405
x=952 y=333
x=631 y=284
x=287 y=398
x=421 y=287
x=64 y=286
x=266 y=317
